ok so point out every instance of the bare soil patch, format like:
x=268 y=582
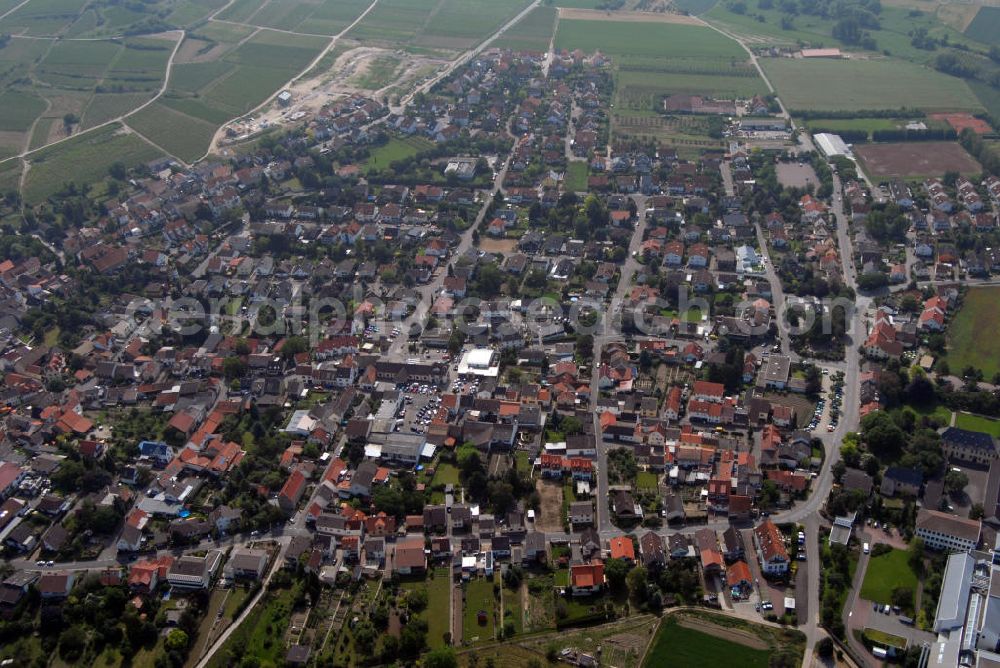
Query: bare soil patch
x=497 y=245
x=795 y=175
x=735 y=635
x=643 y=17
x=550 y=509
x=917 y=159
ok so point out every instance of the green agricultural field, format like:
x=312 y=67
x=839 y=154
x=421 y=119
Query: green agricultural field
x=462 y=23
x=10 y=175
x=478 y=597
x=651 y=40
x=84 y=159
x=966 y=344
x=40 y=135
x=108 y=106
x=695 y=7
x=43 y=17
x=395 y=21
x=682 y=647
x=843 y=85
x=305 y=16
x=634 y=88
x=886 y=573
x=18 y=110
x=985 y=27
x=988 y=96
x=184 y=136
x=192 y=77
x=532 y=33
x=978 y=423
x=765 y=26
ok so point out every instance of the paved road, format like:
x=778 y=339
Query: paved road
x=427 y=292
x=777 y=297
x=609 y=330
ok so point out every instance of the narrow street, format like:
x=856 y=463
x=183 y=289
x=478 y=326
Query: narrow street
x=609 y=330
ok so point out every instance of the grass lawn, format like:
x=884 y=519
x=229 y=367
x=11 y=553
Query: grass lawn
x=883 y=638
x=966 y=344
x=522 y=461
x=478 y=596
x=646 y=480
x=561 y=577
x=438 y=591
x=940 y=413
x=445 y=474
x=397 y=149
x=513 y=611
x=886 y=573
x=576 y=176
x=260 y=633
x=978 y=423
x=682 y=647
x=837 y=85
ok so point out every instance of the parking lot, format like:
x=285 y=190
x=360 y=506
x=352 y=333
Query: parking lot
x=420 y=404
x=827 y=412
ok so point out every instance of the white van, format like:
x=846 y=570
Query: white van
x=866 y=549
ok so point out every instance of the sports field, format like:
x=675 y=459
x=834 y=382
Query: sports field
x=845 y=85
x=886 y=573
x=966 y=344
x=916 y=159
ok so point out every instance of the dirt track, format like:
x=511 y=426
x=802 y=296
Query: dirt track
x=732 y=634
x=644 y=17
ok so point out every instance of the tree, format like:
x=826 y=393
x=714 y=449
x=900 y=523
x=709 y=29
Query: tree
x=177 y=640
x=638 y=584
x=118 y=171
x=825 y=648
x=955 y=482
x=443 y=657
x=884 y=438
x=915 y=556
x=233 y=368
x=616 y=572
x=72 y=642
